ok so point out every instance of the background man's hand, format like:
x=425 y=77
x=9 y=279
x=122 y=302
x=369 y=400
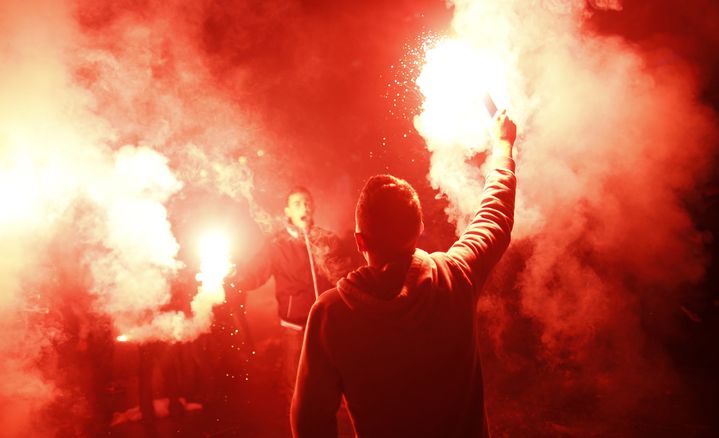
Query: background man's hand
x=505 y=133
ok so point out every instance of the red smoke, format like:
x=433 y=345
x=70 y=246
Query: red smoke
x=242 y=100
x=606 y=251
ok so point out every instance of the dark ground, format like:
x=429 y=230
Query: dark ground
x=241 y=393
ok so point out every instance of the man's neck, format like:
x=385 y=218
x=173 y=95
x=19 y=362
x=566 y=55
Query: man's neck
x=379 y=262
x=293 y=231
x=296 y=231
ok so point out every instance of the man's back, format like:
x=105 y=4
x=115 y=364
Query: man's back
x=407 y=366
x=400 y=343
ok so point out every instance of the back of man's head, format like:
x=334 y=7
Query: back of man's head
x=389 y=216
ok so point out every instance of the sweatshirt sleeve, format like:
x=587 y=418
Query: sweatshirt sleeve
x=255 y=272
x=487 y=237
x=318 y=390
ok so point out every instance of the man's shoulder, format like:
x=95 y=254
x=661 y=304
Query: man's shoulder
x=445 y=268
x=330 y=298
x=330 y=308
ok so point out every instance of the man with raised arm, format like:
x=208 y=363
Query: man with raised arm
x=305 y=261
x=398 y=337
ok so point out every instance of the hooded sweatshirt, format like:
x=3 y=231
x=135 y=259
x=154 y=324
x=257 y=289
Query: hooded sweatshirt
x=400 y=342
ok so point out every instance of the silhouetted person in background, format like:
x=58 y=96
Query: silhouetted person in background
x=398 y=338
x=305 y=261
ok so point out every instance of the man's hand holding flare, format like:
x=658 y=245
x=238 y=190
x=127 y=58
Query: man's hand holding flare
x=504 y=132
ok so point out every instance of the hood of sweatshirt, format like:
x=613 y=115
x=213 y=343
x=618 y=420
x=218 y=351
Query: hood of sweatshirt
x=398 y=290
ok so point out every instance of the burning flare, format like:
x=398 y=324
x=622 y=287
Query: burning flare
x=214 y=250
x=460 y=84
x=215 y=263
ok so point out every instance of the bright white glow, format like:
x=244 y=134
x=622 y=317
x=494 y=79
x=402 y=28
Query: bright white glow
x=122 y=338
x=17 y=194
x=215 y=263
x=454 y=80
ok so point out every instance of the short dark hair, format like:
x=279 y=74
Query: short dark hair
x=297 y=189
x=389 y=215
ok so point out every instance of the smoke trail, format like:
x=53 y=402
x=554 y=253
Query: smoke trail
x=233 y=178
x=610 y=145
x=138 y=250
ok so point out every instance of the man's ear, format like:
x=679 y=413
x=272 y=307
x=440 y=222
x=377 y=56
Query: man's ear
x=361 y=244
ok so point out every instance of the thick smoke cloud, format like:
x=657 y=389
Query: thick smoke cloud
x=612 y=145
x=35 y=97
x=90 y=131
x=71 y=147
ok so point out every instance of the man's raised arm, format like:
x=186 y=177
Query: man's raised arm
x=487 y=237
